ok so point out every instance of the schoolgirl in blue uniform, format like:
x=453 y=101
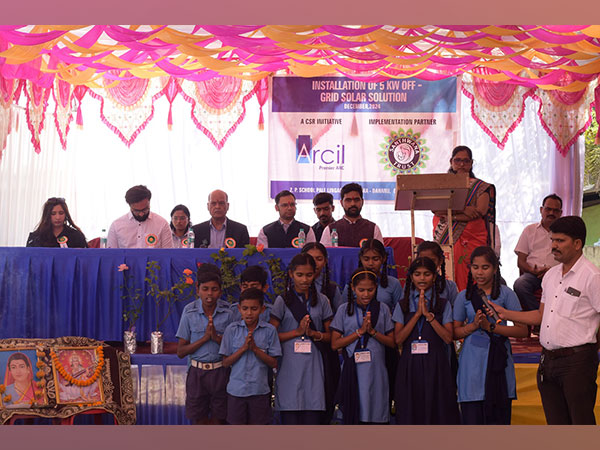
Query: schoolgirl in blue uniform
x=301 y=317
x=486 y=372
x=363 y=328
x=432 y=250
x=331 y=290
x=372 y=256
x=425 y=391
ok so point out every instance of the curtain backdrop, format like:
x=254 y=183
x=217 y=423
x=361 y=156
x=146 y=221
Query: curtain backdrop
x=183 y=166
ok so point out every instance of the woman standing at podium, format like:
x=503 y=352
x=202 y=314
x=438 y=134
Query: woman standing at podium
x=56 y=228
x=474 y=225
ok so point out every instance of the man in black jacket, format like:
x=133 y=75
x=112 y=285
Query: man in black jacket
x=283 y=233
x=220 y=231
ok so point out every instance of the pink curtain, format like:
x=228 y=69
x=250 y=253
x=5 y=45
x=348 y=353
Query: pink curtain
x=35 y=111
x=497 y=108
x=170 y=91
x=63 y=96
x=262 y=94
x=79 y=92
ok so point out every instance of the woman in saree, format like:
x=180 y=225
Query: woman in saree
x=474 y=225
x=18 y=380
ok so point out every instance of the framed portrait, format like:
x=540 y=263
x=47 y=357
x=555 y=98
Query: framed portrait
x=22 y=378
x=77 y=375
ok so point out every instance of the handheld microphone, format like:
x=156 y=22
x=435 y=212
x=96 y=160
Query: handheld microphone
x=489 y=306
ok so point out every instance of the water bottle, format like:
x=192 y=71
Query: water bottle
x=103 y=239
x=334 y=237
x=191 y=238
x=301 y=238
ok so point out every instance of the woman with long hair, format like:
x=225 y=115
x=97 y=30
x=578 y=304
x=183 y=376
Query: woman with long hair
x=56 y=227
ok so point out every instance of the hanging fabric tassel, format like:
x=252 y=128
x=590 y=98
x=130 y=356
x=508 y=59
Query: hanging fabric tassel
x=354 y=127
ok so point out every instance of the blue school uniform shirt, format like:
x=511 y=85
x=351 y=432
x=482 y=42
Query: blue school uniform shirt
x=192 y=327
x=413 y=303
x=389 y=296
x=249 y=375
x=472 y=361
x=450 y=292
x=373 y=382
x=299 y=385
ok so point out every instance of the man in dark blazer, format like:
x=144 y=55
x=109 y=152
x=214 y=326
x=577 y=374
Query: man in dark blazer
x=220 y=231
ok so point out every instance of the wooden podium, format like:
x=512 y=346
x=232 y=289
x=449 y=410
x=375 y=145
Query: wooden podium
x=433 y=192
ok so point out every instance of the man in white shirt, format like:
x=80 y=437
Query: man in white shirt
x=534 y=253
x=139 y=228
x=352 y=229
x=569 y=315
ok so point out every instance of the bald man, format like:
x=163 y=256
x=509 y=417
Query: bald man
x=220 y=231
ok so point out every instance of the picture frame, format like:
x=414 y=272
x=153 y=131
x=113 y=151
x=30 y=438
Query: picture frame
x=22 y=378
x=77 y=375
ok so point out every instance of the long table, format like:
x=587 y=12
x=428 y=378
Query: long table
x=45 y=292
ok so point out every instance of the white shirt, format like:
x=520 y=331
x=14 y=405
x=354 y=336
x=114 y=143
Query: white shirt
x=535 y=242
x=262 y=237
x=326 y=236
x=571 y=305
x=126 y=232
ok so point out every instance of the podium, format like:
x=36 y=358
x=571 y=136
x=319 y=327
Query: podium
x=433 y=192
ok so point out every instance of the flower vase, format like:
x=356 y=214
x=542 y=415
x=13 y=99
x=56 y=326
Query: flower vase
x=130 y=341
x=156 y=342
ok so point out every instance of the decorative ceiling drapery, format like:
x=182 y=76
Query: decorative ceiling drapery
x=529 y=55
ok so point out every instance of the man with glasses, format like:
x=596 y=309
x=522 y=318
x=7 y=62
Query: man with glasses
x=220 y=231
x=283 y=233
x=534 y=253
x=139 y=228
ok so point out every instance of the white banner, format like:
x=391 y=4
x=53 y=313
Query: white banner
x=328 y=131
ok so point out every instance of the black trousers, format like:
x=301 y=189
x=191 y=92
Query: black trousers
x=567 y=385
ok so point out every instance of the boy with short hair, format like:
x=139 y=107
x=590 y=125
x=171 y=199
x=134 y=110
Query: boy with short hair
x=253 y=277
x=250 y=347
x=200 y=331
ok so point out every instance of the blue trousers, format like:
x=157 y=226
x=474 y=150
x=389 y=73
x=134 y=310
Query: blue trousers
x=525 y=287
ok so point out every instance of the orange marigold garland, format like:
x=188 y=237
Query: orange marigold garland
x=81 y=383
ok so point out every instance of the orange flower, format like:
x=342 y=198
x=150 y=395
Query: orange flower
x=40 y=364
x=7 y=399
x=222 y=249
x=188 y=280
x=40 y=373
x=260 y=248
x=2 y=389
x=122 y=267
x=187 y=272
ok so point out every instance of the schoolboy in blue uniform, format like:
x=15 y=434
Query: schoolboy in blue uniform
x=250 y=346
x=253 y=277
x=200 y=331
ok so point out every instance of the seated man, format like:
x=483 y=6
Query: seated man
x=352 y=229
x=220 y=231
x=534 y=252
x=139 y=228
x=324 y=208
x=283 y=233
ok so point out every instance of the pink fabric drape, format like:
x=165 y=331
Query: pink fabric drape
x=35 y=111
x=498 y=108
x=79 y=92
x=63 y=96
x=262 y=94
x=170 y=91
x=597 y=108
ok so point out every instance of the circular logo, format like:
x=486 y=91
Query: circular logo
x=404 y=153
x=151 y=240
x=230 y=243
x=296 y=242
x=62 y=240
x=362 y=241
x=185 y=242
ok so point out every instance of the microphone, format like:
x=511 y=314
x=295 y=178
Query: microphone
x=487 y=303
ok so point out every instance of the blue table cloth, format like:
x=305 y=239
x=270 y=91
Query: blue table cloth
x=46 y=293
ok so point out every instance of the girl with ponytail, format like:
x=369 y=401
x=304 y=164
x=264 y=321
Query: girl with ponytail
x=486 y=372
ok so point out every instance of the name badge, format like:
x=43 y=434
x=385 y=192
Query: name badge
x=479 y=339
x=419 y=347
x=362 y=356
x=302 y=346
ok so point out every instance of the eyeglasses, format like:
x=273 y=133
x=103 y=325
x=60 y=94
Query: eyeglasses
x=552 y=210
x=459 y=161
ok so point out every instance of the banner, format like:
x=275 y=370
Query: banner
x=329 y=131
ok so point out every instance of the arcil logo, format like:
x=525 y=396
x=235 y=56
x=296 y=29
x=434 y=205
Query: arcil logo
x=305 y=154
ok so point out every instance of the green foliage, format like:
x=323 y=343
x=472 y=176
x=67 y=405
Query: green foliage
x=592 y=154
x=133 y=301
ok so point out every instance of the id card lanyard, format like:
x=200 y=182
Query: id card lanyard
x=358 y=324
